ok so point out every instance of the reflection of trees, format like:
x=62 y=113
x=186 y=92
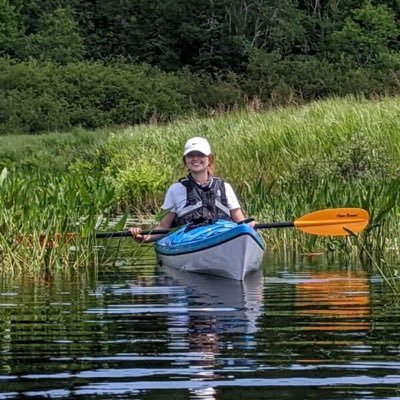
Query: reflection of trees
x=42 y=319
x=5 y=335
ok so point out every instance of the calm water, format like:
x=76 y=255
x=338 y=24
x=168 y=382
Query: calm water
x=307 y=330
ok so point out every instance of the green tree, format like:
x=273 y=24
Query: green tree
x=270 y=25
x=366 y=37
x=57 y=39
x=8 y=27
x=204 y=35
x=31 y=12
x=141 y=30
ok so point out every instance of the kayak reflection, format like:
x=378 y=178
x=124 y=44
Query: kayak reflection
x=217 y=305
x=220 y=311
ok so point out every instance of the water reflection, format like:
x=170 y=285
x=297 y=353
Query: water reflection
x=335 y=301
x=229 y=305
x=301 y=331
x=215 y=306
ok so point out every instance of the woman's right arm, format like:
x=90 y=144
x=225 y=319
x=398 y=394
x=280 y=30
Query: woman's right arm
x=165 y=223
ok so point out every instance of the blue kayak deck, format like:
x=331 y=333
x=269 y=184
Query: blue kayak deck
x=186 y=241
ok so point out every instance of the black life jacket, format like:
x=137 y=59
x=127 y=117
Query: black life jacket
x=203 y=204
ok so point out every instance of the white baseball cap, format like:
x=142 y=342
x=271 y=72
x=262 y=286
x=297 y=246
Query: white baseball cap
x=197 y=144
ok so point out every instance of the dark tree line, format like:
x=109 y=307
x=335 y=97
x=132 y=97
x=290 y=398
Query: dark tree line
x=204 y=35
x=269 y=49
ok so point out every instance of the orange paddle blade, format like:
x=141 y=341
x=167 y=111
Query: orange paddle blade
x=333 y=221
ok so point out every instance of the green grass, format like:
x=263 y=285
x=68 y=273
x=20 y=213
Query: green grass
x=52 y=152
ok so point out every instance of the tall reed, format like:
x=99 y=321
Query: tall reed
x=47 y=222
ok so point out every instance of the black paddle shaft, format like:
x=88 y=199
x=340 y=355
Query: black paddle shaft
x=104 y=235
x=284 y=224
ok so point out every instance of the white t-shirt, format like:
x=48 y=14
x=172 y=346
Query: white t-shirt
x=176 y=196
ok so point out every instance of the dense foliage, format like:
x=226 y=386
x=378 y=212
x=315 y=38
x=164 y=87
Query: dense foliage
x=94 y=63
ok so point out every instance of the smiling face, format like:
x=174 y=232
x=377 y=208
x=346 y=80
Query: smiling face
x=196 y=162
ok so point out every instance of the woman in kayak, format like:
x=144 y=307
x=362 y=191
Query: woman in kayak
x=200 y=197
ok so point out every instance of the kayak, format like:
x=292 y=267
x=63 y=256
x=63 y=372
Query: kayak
x=222 y=248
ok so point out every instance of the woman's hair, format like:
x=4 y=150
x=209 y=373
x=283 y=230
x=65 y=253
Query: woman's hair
x=211 y=162
x=211 y=166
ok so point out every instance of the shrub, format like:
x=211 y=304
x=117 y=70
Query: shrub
x=43 y=96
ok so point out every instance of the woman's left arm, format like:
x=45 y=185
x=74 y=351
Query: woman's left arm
x=237 y=215
x=236 y=211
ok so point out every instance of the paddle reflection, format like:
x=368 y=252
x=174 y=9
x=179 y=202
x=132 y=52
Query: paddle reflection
x=337 y=301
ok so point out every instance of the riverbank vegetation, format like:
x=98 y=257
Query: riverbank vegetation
x=283 y=163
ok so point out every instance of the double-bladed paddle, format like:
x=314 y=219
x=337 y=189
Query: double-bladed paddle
x=328 y=222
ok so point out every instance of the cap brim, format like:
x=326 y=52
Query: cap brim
x=195 y=150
